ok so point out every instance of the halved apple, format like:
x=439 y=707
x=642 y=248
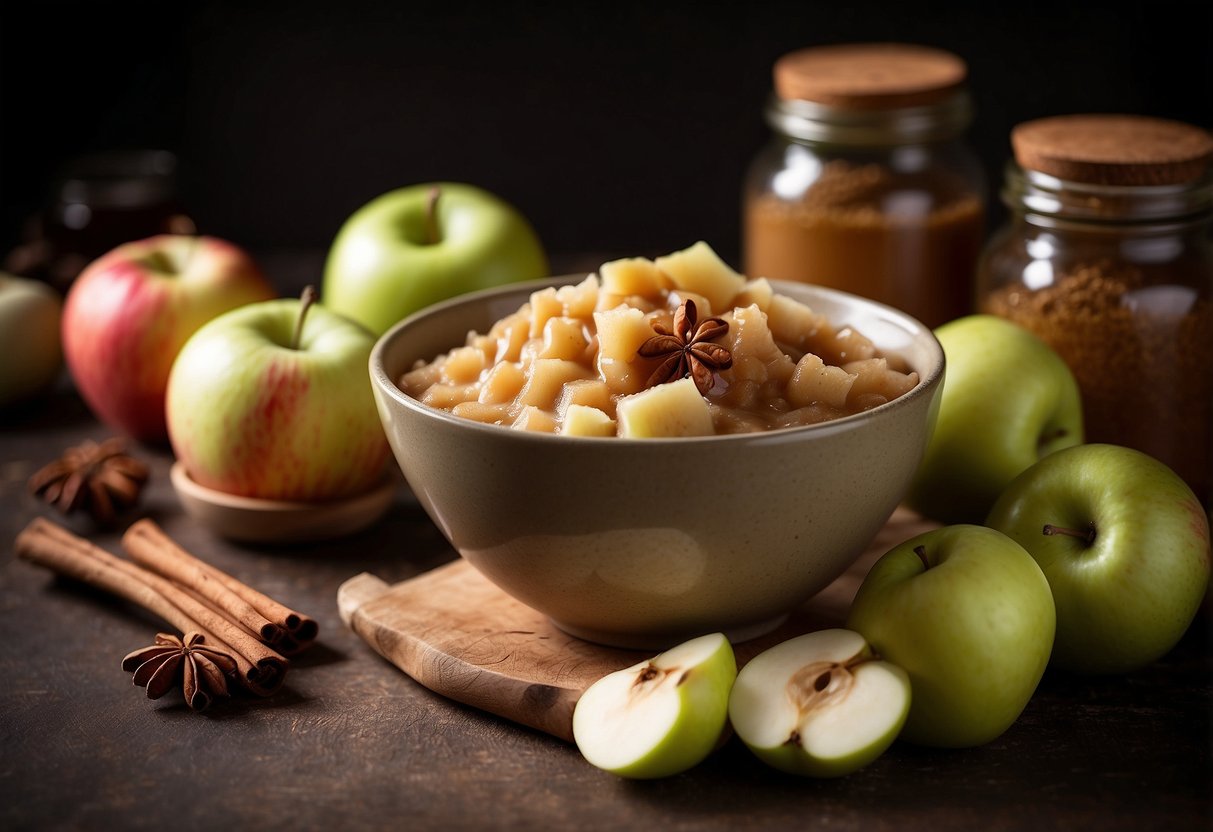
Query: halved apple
x=820 y=704
x=659 y=717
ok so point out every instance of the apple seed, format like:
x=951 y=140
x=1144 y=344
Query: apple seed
x=820 y=685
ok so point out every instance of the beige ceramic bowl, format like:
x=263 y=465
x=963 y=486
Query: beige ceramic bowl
x=646 y=542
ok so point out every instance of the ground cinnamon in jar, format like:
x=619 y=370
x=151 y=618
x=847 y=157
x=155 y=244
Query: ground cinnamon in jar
x=1144 y=366
x=1108 y=258
x=867 y=186
x=848 y=232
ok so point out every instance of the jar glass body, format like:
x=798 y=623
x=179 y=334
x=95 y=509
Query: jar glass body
x=1119 y=281
x=108 y=199
x=894 y=215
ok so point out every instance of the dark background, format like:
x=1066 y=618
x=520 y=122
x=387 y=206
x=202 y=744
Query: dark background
x=618 y=127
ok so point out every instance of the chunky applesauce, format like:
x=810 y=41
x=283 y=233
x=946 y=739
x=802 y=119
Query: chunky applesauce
x=677 y=346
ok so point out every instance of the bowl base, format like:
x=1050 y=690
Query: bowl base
x=657 y=642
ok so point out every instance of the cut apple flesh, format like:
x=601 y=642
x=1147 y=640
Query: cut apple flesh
x=659 y=716
x=820 y=703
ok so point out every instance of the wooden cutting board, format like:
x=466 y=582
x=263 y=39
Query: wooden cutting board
x=459 y=635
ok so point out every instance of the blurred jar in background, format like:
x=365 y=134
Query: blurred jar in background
x=867 y=185
x=99 y=202
x=1107 y=256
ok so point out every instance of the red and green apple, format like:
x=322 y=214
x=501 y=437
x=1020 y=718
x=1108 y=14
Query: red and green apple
x=273 y=401
x=130 y=311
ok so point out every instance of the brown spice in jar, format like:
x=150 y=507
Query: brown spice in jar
x=908 y=240
x=1142 y=355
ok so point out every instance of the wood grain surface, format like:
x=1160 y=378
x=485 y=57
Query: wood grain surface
x=455 y=632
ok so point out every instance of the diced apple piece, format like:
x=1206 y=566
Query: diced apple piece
x=502 y=384
x=757 y=292
x=792 y=322
x=535 y=419
x=580 y=300
x=815 y=381
x=634 y=276
x=699 y=269
x=840 y=347
x=463 y=365
x=564 y=338
x=875 y=379
x=445 y=396
x=673 y=409
x=580 y=420
x=621 y=331
x=497 y=413
x=590 y=392
x=756 y=356
x=544 y=305
x=511 y=335
x=548 y=377
x=421 y=377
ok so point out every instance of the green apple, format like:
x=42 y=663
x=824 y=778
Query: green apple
x=30 y=312
x=273 y=400
x=821 y=704
x=414 y=246
x=1008 y=400
x=661 y=716
x=967 y=613
x=1124 y=544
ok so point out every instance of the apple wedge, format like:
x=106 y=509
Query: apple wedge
x=822 y=704
x=659 y=717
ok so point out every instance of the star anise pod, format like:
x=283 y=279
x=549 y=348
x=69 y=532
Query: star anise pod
x=200 y=670
x=688 y=350
x=98 y=477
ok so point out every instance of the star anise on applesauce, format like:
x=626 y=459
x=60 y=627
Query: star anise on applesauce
x=202 y=671
x=688 y=349
x=98 y=477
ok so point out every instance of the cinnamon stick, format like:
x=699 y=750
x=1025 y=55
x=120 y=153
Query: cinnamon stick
x=147 y=543
x=261 y=669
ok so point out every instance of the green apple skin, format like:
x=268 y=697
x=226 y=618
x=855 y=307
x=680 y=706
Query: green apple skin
x=973 y=631
x=852 y=723
x=1126 y=595
x=131 y=310
x=382 y=265
x=30 y=312
x=689 y=725
x=1008 y=400
x=249 y=415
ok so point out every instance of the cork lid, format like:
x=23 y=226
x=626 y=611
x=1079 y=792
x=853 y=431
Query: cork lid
x=1102 y=149
x=869 y=76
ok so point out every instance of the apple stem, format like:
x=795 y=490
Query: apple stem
x=1086 y=535
x=921 y=551
x=305 y=303
x=432 y=234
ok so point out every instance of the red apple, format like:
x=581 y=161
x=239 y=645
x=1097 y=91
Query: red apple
x=130 y=311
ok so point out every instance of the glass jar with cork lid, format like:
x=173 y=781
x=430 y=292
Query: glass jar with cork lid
x=867 y=185
x=1107 y=256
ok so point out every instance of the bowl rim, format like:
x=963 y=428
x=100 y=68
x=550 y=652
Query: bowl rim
x=926 y=384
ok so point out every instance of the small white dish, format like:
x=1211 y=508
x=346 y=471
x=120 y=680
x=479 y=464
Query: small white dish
x=279 y=521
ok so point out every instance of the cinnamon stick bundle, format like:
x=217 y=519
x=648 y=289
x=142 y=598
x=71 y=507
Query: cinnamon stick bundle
x=287 y=630
x=260 y=668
